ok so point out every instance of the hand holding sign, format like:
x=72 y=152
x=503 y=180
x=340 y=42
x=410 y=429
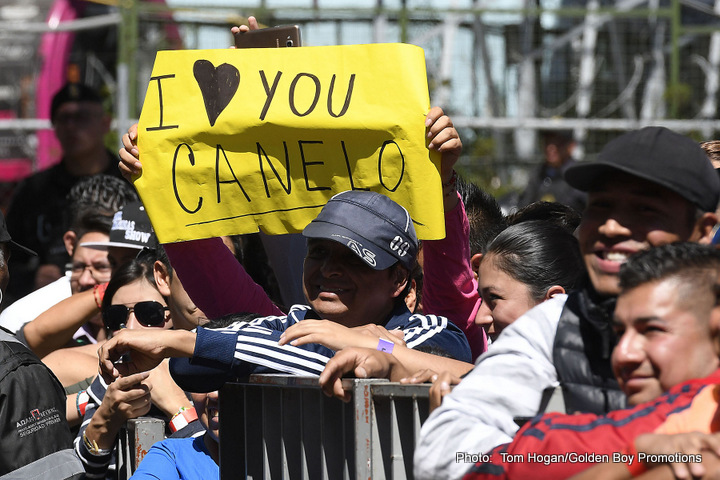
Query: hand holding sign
x=270 y=151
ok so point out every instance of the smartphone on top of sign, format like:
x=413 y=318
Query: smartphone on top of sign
x=273 y=37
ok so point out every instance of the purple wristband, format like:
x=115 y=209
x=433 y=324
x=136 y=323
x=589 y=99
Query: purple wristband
x=385 y=346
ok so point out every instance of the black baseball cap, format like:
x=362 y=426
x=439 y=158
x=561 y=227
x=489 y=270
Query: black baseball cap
x=5 y=237
x=658 y=155
x=74 y=92
x=131 y=228
x=374 y=227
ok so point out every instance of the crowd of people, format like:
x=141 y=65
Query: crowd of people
x=601 y=290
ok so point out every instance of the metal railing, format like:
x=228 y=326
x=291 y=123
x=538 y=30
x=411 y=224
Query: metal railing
x=135 y=439
x=283 y=427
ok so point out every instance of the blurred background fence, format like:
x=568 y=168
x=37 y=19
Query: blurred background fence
x=503 y=69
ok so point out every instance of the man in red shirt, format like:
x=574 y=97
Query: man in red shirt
x=668 y=321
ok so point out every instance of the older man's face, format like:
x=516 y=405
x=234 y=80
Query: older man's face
x=341 y=287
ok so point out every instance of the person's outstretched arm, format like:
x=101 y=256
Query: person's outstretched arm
x=54 y=328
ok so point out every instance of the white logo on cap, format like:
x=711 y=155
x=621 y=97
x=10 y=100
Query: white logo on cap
x=399 y=245
x=364 y=253
x=129 y=226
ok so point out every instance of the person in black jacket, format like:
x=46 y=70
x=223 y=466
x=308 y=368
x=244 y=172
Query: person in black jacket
x=546 y=182
x=37 y=214
x=35 y=440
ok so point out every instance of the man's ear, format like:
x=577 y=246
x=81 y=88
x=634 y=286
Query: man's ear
x=411 y=297
x=704 y=227
x=714 y=325
x=401 y=277
x=162 y=278
x=475 y=263
x=552 y=291
x=70 y=239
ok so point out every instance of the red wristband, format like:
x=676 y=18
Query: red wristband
x=99 y=293
x=182 y=419
x=81 y=401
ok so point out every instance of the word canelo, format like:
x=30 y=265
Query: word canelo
x=389 y=154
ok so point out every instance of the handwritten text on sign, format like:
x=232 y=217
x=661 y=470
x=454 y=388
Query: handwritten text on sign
x=240 y=139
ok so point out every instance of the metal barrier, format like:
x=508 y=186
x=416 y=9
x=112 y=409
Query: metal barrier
x=283 y=427
x=135 y=439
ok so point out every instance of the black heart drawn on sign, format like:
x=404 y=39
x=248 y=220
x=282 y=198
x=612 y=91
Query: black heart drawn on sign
x=217 y=85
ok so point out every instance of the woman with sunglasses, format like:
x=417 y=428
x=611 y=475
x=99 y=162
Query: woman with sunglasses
x=131 y=301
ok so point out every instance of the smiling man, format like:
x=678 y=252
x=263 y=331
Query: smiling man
x=647 y=188
x=668 y=322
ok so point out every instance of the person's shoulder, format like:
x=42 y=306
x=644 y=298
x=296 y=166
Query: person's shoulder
x=179 y=444
x=535 y=328
x=45 y=176
x=17 y=362
x=543 y=314
x=12 y=352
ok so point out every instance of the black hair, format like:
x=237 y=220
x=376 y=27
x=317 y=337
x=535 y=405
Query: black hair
x=696 y=264
x=562 y=215
x=230 y=318
x=97 y=194
x=135 y=269
x=91 y=221
x=485 y=217
x=159 y=254
x=538 y=254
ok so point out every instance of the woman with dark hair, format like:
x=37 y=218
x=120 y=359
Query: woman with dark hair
x=131 y=301
x=526 y=264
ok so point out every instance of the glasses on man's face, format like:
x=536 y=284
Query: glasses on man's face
x=99 y=271
x=148 y=313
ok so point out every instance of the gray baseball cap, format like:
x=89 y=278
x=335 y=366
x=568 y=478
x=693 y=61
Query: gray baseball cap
x=374 y=227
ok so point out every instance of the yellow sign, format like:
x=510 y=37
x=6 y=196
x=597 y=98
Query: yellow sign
x=239 y=139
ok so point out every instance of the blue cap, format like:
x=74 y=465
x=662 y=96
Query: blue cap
x=375 y=228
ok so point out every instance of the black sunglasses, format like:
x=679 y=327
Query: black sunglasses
x=149 y=314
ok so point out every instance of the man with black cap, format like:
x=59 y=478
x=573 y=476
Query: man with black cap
x=648 y=187
x=36 y=215
x=35 y=438
x=361 y=249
